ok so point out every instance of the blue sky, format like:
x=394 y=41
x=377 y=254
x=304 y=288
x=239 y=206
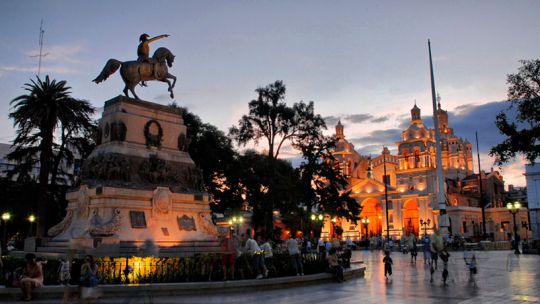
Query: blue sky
x=352 y=58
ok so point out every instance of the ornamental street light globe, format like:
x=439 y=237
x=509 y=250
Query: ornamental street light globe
x=6 y=216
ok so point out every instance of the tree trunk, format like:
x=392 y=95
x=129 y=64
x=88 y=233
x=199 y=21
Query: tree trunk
x=43 y=197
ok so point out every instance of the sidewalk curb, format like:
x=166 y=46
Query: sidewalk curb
x=173 y=289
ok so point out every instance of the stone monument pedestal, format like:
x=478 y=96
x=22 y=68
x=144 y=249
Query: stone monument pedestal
x=139 y=186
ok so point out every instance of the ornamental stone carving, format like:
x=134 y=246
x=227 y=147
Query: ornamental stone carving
x=153 y=133
x=100 y=228
x=83 y=202
x=186 y=223
x=118 y=131
x=161 y=201
x=205 y=222
x=62 y=226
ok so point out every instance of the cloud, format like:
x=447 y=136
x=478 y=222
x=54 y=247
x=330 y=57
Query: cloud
x=46 y=69
x=380 y=119
x=358 y=118
x=331 y=120
x=381 y=137
x=355 y=119
x=64 y=53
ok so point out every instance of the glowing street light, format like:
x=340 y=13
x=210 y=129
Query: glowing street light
x=6 y=216
x=513 y=208
x=31 y=218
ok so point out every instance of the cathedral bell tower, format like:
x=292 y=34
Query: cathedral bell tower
x=339 y=131
x=415 y=113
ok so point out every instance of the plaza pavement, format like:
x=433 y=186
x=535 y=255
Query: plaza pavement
x=502 y=278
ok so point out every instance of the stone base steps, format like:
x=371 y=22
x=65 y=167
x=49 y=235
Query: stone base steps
x=173 y=289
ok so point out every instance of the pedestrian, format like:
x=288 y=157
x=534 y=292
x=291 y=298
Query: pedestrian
x=387 y=260
x=32 y=276
x=88 y=281
x=414 y=250
x=294 y=252
x=321 y=246
x=268 y=254
x=445 y=256
x=426 y=250
x=229 y=246
x=257 y=259
x=471 y=265
x=334 y=266
x=64 y=275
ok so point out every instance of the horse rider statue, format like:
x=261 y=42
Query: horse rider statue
x=143 y=52
x=144 y=68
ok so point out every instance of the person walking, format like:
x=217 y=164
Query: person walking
x=426 y=250
x=471 y=265
x=413 y=249
x=445 y=256
x=268 y=255
x=294 y=252
x=229 y=246
x=387 y=260
x=257 y=259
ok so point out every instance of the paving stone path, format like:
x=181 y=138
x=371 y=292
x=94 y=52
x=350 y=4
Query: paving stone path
x=502 y=278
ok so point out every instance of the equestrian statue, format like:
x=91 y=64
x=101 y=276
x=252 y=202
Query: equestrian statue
x=144 y=68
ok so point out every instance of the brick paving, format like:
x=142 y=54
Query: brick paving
x=502 y=278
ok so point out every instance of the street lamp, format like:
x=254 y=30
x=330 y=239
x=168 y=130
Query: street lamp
x=513 y=208
x=236 y=220
x=31 y=218
x=6 y=216
x=365 y=222
x=425 y=224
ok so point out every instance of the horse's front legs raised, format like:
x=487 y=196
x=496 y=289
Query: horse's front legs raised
x=170 y=87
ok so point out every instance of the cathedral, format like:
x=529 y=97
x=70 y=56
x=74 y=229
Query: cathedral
x=411 y=185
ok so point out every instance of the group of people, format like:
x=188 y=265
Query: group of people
x=433 y=248
x=257 y=251
x=31 y=277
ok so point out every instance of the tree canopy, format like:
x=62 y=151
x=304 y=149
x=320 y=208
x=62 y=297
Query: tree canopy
x=272 y=120
x=48 y=109
x=522 y=132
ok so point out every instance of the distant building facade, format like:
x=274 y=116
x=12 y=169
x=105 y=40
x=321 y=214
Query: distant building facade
x=532 y=173
x=411 y=181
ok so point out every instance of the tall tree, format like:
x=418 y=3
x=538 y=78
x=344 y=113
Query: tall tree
x=323 y=186
x=270 y=119
x=523 y=134
x=213 y=153
x=37 y=115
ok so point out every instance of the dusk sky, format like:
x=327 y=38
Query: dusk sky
x=364 y=62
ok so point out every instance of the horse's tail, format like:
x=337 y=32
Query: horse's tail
x=109 y=69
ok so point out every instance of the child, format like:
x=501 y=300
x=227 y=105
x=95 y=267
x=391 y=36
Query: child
x=472 y=268
x=387 y=264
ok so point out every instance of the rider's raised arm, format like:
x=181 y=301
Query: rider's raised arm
x=157 y=38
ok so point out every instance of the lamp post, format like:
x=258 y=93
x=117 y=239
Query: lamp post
x=513 y=208
x=365 y=222
x=31 y=218
x=425 y=225
x=6 y=216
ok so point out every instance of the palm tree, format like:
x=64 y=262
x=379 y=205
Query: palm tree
x=37 y=115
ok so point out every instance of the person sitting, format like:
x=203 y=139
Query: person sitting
x=32 y=276
x=334 y=266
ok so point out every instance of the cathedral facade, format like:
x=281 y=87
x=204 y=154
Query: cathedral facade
x=411 y=184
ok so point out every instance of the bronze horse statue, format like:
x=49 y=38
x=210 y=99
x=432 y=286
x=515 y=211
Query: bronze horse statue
x=133 y=72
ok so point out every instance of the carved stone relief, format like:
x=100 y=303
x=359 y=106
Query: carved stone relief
x=100 y=228
x=161 y=201
x=62 y=226
x=186 y=223
x=205 y=222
